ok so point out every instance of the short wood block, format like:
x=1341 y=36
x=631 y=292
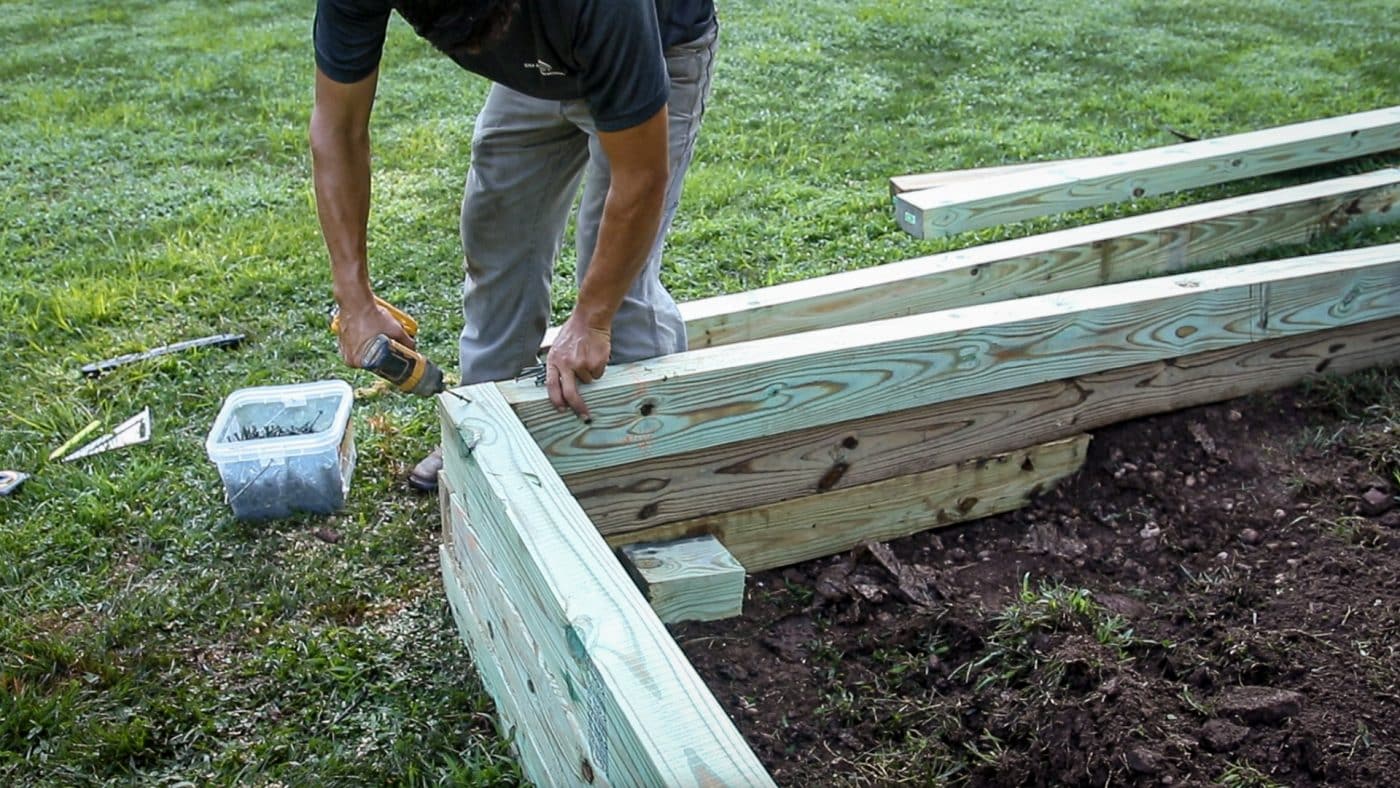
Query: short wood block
x=687 y=579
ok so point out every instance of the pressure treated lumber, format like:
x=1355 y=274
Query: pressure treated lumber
x=1136 y=247
x=554 y=750
x=823 y=524
x=647 y=718
x=694 y=579
x=933 y=180
x=1038 y=192
x=1122 y=250
x=628 y=501
x=691 y=401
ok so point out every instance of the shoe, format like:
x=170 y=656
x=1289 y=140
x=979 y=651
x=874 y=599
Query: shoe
x=424 y=476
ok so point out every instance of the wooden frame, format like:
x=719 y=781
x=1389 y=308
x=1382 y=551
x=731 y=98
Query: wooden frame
x=784 y=438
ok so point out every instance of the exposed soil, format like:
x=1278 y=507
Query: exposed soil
x=1213 y=599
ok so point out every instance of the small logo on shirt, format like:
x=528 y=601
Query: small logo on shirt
x=545 y=69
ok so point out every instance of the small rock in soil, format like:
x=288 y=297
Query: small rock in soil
x=1249 y=536
x=1143 y=760
x=1222 y=735
x=1259 y=705
x=1376 y=502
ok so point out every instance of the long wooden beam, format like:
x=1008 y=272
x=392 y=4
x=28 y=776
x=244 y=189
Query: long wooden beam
x=616 y=691
x=692 y=401
x=1122 y=250
x=1084 y=184
x=933 y=180
x=1154 y=244
x=823 y=524
x=626 y=501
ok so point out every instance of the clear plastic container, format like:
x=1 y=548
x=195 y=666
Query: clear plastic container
x=285 y=449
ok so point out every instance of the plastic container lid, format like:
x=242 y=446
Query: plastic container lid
x=329 y=426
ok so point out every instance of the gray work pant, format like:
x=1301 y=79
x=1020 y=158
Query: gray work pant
x=528 y=156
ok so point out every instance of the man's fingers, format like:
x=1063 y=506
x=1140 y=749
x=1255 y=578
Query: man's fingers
x=551 y=382
x=569 y=388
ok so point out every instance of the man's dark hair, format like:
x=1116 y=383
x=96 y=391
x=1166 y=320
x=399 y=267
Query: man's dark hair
x=486 y=20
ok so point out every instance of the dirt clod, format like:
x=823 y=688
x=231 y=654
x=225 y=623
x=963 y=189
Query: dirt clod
x=1376 y=502
x=1259 y=705
x=1222 y=735
x=1143 y=760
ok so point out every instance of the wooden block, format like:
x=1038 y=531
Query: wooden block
x=578 y=630
x=1087 y=183
x=770 y=468
x=692 y=401
x=823 y=524
x=687 y=579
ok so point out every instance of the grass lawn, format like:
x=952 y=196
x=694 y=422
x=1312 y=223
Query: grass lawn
x=154 y=186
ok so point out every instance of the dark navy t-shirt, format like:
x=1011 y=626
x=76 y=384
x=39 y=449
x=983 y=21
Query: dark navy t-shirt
x=608 y=52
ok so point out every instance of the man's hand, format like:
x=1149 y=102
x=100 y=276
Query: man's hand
x=579 y=355
x=360 y=322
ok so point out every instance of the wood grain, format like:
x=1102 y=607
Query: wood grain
x=1122 y=250
x=1153 y=244
x=824 y=524
x=645 y=715
x=694 y=579
x=1046 y=190
x=691 y=401
x=555 y=750
x=768 y=469
x=932 y=180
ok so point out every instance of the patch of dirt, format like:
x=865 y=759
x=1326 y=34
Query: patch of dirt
x=1214 y=598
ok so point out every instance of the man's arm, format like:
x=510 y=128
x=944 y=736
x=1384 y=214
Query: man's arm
x=638 y=157
x=340 y=154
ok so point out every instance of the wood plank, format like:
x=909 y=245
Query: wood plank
x=824 y=524
x=768 y=469
x=693 y=579
x=1122 y=250
x=647 y=717
x=691 y=401
x=499 y=644
x=932 y=213
x=932 y=180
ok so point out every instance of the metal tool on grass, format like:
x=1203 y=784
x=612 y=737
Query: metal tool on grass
x=10 y=482
x=136 y=429
x=218 y=340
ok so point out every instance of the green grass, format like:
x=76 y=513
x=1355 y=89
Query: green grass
x=155 y=187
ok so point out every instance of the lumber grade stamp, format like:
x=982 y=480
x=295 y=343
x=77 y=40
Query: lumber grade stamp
x=694 y=579
x=1138 y=247
x=692 y=401
x=646 y=717
x=828 y=523
x=1086 y=183
x=767 y=469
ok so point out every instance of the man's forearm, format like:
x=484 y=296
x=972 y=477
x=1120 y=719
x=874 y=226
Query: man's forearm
x=631 y=218
x=340 y=163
